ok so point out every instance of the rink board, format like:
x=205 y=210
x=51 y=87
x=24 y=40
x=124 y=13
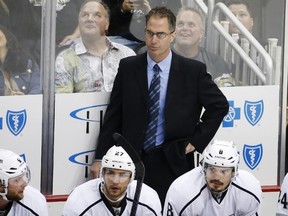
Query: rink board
x=252 y=123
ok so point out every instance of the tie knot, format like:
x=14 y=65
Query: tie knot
x=156 y=68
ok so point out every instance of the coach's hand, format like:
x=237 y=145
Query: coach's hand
x=189 y=148
x=95 y=169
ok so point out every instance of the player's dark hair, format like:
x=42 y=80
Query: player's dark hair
x=163 y=12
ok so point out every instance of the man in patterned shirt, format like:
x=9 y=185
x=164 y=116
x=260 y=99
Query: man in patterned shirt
x=90 y=63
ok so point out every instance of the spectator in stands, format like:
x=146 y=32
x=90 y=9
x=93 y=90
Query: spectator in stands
x=113 y=193
x=91 y=62
x=128 y=19
x=20 y=74
x=217 y=187
x=189 y=32
x=243 y=12
x=282 y=209
x=17 y=198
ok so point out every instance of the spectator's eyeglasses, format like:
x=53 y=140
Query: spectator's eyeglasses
x=160 y=35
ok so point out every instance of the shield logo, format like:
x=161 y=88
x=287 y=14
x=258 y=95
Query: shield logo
x=253 y=111
x=252 y=155
x=16 y=121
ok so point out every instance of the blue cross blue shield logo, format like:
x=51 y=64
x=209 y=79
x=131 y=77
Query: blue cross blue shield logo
x=16 y=121
x=253 y=111
x=252 y=155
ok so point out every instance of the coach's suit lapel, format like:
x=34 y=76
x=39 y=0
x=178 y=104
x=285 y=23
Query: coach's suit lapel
x=141 y=76
x=174 y=83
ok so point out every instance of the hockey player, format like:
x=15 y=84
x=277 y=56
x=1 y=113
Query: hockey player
x=113 y=192
x=215 y=188
x=282 y=206
x=17 y=198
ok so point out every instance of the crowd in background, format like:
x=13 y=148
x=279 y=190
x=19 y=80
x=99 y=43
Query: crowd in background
x=93 y=38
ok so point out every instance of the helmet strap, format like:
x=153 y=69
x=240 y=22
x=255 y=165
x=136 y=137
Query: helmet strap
x=110 y=200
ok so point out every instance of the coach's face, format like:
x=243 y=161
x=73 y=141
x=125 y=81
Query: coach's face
x=158 y=38
x=218 y=178
x=116 y=183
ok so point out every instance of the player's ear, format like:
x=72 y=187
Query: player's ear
x=172 y=36
x=234 y=174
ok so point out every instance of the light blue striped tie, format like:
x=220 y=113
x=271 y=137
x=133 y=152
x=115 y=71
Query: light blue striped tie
x=153 y=106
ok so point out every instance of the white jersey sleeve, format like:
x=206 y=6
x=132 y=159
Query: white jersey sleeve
x=282 y=205
x=32 y=204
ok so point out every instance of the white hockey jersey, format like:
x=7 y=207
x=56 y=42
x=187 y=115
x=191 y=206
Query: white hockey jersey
x=189 y=195
x=33 y=203
x=86 y=200
x=282 y=206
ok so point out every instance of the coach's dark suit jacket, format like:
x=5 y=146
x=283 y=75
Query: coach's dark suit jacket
x=190 y=89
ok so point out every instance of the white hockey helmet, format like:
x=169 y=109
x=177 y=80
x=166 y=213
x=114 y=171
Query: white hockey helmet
x=221 y=153
x=117 y=158
x=11 y=166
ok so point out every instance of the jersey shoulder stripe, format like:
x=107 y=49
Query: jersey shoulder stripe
x=247 y=191
x=143 y=205
x=193 y=199
x=26 y=207
x=92 y=205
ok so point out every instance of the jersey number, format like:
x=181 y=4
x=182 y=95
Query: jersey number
x=283 y=200
x=169 y=210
